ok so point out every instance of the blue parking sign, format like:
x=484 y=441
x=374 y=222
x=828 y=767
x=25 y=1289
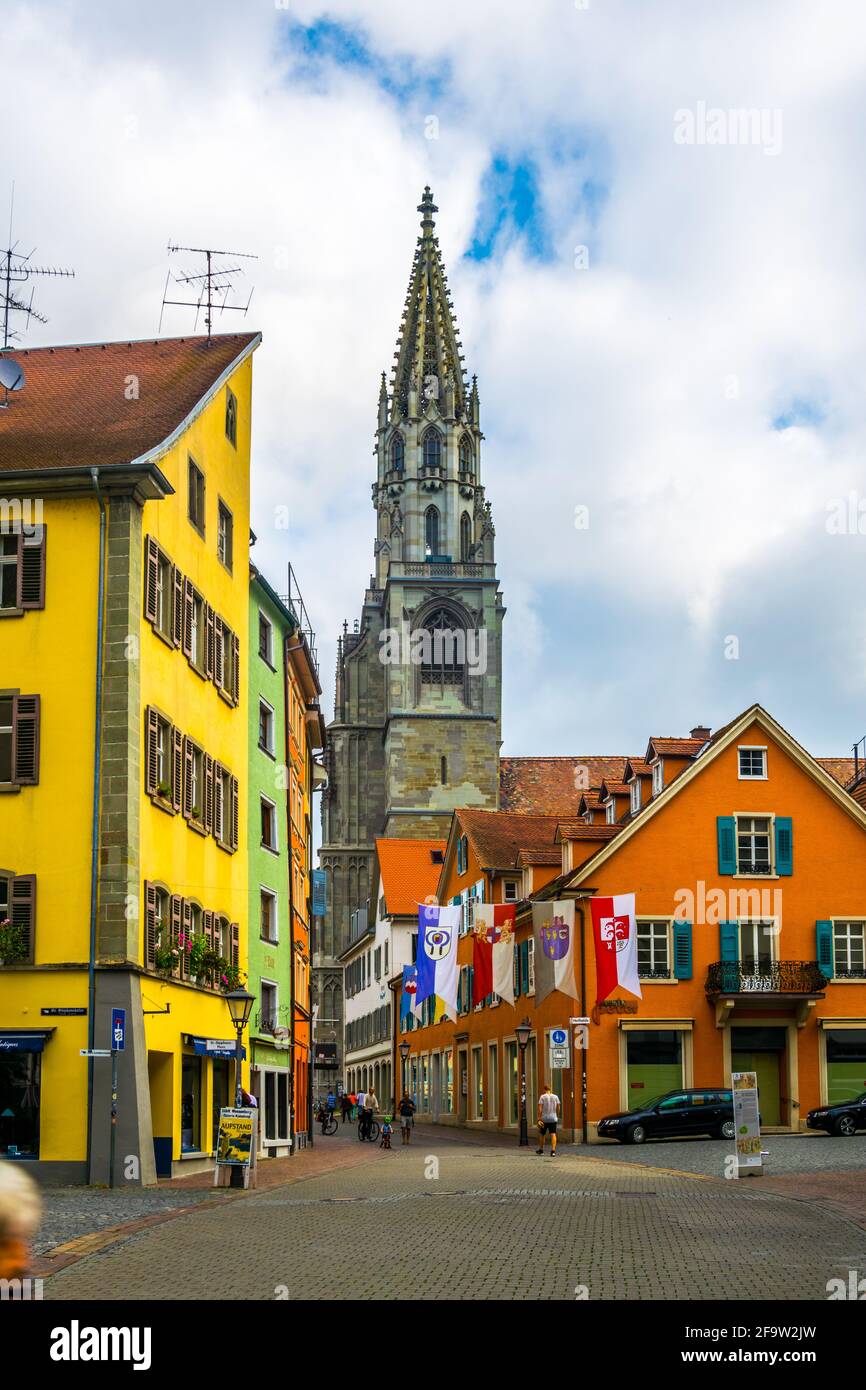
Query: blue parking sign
x=118 y=1030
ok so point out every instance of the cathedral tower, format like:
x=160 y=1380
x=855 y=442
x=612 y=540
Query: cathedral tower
x=417 y=718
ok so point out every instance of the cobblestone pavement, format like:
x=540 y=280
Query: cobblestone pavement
x=70 y=1212
x=788 y=1153
x=449 y=1217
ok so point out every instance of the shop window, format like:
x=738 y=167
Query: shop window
x=654 y=1062
x=190 y=1105
x=20 y=1099
x=846 y=1064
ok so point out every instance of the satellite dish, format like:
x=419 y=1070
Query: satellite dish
x=11 y=374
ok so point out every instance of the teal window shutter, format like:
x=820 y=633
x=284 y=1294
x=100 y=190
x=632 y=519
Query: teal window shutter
x=784 y=845
x=726 y=831
x=470 y=986
x=455 y=901
x=682 y=950
x=524 y=967
x=516 y=972
x=824 y=948
x=729 y=940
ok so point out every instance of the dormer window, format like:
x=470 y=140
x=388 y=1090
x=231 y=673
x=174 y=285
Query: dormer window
x=635 y=795
x=658 y=777
x=610 y=812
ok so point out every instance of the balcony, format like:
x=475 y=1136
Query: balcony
x=746 y=985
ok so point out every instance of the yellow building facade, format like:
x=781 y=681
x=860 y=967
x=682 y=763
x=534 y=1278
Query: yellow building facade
x=124 y=571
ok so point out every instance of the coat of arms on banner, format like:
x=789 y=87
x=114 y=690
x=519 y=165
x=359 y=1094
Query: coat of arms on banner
x=555 y=938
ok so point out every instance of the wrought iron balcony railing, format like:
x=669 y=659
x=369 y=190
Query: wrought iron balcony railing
x=754 y=866
x=776 y=977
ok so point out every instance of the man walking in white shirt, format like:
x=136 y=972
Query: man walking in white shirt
x=548 y=1118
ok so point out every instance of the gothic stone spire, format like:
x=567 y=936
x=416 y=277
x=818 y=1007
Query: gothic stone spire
x=428 y=360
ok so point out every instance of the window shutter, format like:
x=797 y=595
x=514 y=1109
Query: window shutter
x=219 y=807
x=682 y=950
x=149 y=925
x=824 y=948
x=207 y=929
x=218 y=650
x=530 y=958
x=470 y=986
x=208 y=792
x=208 y=641
x=236 y=667
x=175 y=919
x=176 y=769
x=25 y=739
x=188 y=756
x=22 y=906
x=31 y=570
x=186 y=908
x=726 y=833
x=177 y=589
x=151 y=751
x=151 y=578
x=236 y=945
x=516 y=971
x=187 y=618
x=729 y=950
x=784 y=845
x=524 y=967
x=234 y=813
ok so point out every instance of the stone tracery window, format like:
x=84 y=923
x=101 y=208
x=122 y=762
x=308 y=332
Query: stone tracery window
x=465 y=537
x=432 y=449
x=398 y=452
x=465 y=455
x=444 y=654
x=431 y=531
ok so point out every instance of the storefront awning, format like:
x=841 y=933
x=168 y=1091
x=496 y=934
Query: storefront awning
x=23 y=1040
x=215 y=1047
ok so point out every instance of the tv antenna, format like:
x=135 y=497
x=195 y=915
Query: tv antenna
x=214 y=284
x=16 y=269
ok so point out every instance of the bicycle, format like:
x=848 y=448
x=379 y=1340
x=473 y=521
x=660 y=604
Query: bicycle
x=328 y=1121
x=373 y=1132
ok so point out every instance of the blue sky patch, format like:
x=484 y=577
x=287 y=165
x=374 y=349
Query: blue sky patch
x=801 y=411
x=327 y=43
x=510 y=202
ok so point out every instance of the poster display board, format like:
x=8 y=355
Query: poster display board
x=747 y=1125
x=236 y=1145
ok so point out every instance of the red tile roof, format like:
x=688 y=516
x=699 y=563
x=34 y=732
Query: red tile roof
x=497 y=837
x=553 y=786
x=579 y=830
x=639 y=766
x=539 y=856
x=408 y=873
x=675 y=747
x=73 y=411
x=840 y=769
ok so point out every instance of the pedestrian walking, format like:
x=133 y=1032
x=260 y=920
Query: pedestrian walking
x=548 y=1118
x=345 y=1107
x=406 y=1110
x=371 y=1105
x=20 y=1214
x=359 y=1105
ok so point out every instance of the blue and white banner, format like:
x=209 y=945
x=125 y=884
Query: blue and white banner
x=436 y=963
x=407 y=993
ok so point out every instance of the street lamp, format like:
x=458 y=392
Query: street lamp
x=240 y=1004
x=404 y=1053
x=523 y=1030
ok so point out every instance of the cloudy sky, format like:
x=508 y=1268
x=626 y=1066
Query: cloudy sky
x=661 y=294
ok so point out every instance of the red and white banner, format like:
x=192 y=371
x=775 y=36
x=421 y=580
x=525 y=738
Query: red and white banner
x=614 y=931
x=493 y=951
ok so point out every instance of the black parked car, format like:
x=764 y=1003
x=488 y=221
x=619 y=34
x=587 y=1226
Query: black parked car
x=674 y=1114
x=845 y=1118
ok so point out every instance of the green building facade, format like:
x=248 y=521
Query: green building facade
x=268 y=830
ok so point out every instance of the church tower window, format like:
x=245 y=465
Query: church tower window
x=444 y=653
x=431 y=531
x=398 y=453
x=432 y=449
x=465 y=537
x=465 y=456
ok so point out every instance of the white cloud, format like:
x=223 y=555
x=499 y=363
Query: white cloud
x=710 y=268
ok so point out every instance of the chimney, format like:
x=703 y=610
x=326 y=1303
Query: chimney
x=701 y=731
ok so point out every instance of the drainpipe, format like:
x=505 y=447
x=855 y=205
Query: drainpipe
x=292 y=1117
x=583 y=1050
x=94 y=832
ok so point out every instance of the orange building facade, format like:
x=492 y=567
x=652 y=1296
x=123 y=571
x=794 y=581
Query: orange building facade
x=747 y=857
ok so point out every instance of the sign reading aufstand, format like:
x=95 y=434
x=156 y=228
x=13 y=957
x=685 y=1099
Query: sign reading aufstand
x=747 y=1123
x=235 y=1142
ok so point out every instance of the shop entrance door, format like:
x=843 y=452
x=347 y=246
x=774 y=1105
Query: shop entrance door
x=763 y=1051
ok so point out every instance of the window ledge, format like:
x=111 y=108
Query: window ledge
x=269 y=751
x=196 y=825
x=226 y=847
x=270 y=665
x=648 y=980
x=757 y=878
x=158 y=632
x=10 y=787
x=193 y=1153
x=845 y=980
x=271 y=849
x=12 y=612
x=162 y=803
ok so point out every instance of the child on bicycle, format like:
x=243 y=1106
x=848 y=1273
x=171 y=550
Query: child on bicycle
x=385 y=1141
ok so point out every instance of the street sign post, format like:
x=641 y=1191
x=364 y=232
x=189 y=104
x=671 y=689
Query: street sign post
x=118 y=1043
